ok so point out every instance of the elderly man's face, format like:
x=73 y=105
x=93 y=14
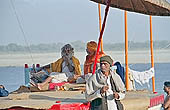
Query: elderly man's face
x=105 y=66
x=67 y=51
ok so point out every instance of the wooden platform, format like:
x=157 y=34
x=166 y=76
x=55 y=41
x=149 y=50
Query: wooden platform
x=135 y=100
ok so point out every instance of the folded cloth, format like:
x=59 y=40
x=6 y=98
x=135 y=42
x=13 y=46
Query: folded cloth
x=58 y=77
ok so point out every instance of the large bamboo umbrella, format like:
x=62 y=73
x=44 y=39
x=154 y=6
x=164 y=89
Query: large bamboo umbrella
x=149 y=7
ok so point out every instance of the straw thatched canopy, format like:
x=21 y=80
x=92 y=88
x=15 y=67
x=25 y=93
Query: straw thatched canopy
x=149 y=7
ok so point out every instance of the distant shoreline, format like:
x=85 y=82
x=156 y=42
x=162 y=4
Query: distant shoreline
x=80 y=46
x=19 y=59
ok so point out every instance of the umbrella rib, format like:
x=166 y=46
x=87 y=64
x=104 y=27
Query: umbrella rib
x=131 y=3
x=154 y=8
x=144 y=6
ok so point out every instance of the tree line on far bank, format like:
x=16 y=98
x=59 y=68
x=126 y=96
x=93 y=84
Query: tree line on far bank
x=81 y=46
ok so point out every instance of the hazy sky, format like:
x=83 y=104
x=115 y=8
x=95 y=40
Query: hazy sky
x=52 y=21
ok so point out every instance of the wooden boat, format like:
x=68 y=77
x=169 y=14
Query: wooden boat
x=152 y=100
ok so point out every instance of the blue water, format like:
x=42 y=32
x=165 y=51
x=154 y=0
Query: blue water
x=162 y=74
x=13 y=77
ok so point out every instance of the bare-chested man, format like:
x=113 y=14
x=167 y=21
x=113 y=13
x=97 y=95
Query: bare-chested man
x=166 y=104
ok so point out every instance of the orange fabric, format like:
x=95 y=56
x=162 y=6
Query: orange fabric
x=90 y=61
x=92 y=45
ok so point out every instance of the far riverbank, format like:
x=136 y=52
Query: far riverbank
x=19 y=59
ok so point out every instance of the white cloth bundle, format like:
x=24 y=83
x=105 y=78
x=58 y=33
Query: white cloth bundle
x=142 y=77
x=58 y=77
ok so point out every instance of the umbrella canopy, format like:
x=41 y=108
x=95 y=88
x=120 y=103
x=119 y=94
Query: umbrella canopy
x=149 y=7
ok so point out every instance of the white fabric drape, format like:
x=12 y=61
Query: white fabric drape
x=142 y=77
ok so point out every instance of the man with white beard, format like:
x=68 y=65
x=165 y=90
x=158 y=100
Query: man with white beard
x=66 y=68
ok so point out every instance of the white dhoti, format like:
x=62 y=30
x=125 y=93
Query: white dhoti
x=58 y=77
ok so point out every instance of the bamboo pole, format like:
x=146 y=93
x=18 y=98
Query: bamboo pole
x=126 y=52
x=152 y=59
x=100 y=37
x=100 y=25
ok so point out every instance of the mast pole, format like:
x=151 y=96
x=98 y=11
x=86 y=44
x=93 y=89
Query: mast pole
x=152 y=59
x=126 y=52
x=100 y=25
x=101 y=34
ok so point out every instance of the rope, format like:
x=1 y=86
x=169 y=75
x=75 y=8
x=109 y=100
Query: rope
x=21 y=28
x=101 y=34
x=166 y=46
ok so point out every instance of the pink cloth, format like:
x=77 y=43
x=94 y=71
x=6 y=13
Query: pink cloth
x=53 y=85
x=71 y=106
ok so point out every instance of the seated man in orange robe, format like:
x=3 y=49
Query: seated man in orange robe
x=90 y=58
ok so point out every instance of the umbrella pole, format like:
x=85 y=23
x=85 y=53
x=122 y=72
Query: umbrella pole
x=100 y=25
x=152 y=60
x=126 y=52
x=100 y=37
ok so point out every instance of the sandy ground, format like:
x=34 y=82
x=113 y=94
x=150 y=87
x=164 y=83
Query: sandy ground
x=45 y=58
x=39 y=100
x=133 y=101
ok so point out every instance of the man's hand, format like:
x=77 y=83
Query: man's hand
x=68 y=63
x=73 y=79
x=76 y=76
x=115 y=95
x=66 y=60
x=104 y=89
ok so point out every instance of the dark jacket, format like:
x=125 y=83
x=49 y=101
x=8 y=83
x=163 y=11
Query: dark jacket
x=3 y=92
x=120 y=71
